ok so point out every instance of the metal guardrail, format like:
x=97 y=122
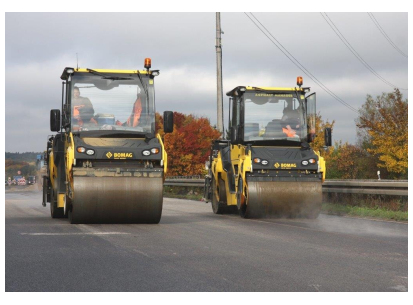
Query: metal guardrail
x=378 y=187
x=185 y=182
x=372 y=187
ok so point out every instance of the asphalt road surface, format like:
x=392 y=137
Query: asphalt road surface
x=193 y=249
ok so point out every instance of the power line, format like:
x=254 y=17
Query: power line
x=297 y=63
x=385 y=35
x=352 y=50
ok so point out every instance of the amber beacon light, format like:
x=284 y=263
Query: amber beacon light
x=299 y=81
x=148 y=63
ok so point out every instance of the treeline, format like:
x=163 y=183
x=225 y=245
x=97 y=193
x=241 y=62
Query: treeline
x=382 y=141
x=23 y=162
x=13 y=167
x=26 y=156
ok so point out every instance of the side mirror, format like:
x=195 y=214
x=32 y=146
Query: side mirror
x=234 y=134
x=168 y=121
x=55 y=120
x=327 y=136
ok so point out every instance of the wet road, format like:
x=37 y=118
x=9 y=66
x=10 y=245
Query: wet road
x=194 y=250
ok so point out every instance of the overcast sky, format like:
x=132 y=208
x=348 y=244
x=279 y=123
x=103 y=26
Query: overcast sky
x=38 y=46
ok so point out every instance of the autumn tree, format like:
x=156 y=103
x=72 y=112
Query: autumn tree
x=318 y=143
x=348 y=161
x=188 y=146
x=383 y=131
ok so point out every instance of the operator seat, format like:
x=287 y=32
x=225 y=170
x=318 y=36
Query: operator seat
x=274 y=129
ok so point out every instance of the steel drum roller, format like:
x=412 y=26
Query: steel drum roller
x=117 y=200
x=291 y=199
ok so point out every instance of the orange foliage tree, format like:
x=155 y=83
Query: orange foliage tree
x=349 y=161
x=383 y=125
x=188 y=146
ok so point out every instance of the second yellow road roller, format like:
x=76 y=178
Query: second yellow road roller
x=266 y=167
x=106 y=163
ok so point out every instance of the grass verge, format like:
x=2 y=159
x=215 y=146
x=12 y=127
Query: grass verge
x=189 y=197
x=379 y=213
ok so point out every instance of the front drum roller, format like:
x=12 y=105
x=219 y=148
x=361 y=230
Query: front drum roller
x=283 y=199
x=116 y=200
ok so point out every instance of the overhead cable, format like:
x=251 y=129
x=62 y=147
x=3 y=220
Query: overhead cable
x=385 y=35
x=352 y=50
x=296 y=62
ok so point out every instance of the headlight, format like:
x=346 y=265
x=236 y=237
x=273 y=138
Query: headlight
x=81 y=149
x=257 y=160
x=264 y=162
x=90 y=152
x=312 y=161
x=146 y=153
x=154 y=150
x=305 y=162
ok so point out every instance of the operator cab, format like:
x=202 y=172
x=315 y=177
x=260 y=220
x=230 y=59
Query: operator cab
x=109 y=102
x=277 y=115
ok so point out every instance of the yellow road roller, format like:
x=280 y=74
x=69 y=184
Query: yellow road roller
x=106 y=163
x=266 y=166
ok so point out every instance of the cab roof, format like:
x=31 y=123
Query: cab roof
x=83 y=70
x=275 y=89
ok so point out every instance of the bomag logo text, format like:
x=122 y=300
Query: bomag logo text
x=122 y=155
x=288 y=165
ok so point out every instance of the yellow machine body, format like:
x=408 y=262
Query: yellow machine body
x=261 y=172
x=106 y=167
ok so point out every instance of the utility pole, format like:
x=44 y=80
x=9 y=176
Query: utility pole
x=220 y=112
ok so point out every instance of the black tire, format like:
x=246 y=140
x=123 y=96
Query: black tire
x=242 y=205
x=55 y=212
x=217 y=206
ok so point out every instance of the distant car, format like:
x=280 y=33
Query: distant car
x=31 y=180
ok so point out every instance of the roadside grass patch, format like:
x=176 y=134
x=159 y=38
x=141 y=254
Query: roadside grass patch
x=359 y=211
x=184 y=192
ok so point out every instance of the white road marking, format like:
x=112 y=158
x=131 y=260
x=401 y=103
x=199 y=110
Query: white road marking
x=140 y=252
x=84 y=233
x=399 y=288
x=316 y=287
